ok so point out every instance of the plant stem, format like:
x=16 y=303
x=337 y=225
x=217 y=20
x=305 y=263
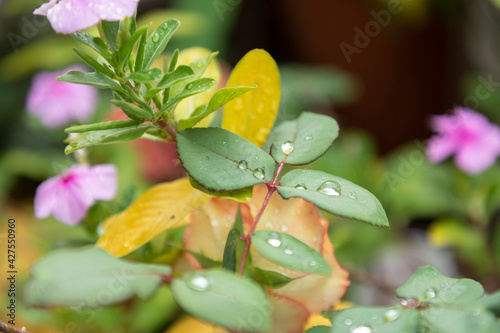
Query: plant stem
x=11 y=329
x=272 y=187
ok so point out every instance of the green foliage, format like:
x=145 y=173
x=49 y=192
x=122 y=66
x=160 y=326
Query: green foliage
x=90 y=277
x=221 y=297
x=335 y=195
x=229 y=161
x=288 y=251
x=432 y=303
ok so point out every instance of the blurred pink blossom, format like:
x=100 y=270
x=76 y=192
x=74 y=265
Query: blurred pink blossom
x=69 y=196
x=58 y=103
x=467 y=134
x=68 y=16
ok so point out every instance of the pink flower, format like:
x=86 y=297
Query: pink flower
x=57 y=103
x=467 y=134
x=69 y=196
x=68 y=16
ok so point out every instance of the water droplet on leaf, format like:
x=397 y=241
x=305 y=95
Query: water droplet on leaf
x=259 y=173
x=309 y=137
x=331 y=188
x=243 y=165
x=284 y=227
x=289 y=251
x=156 y=38
x=391 y=315
x=430 y=293
x=362 y=329
x=352 y=195
x=164 y=26
x=274 y=240
x=348 y=322
x=199 y=283
x=300 y=187
x=287 y=147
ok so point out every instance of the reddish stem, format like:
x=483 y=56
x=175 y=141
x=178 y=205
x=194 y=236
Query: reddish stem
x=272 y=187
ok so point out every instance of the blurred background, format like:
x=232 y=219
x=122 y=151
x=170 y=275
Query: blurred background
x=380 y=68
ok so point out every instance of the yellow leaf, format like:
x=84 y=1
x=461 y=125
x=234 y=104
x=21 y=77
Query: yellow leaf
x=252 y=114
x=188 y=105
x=193 y=325
x=158 y=209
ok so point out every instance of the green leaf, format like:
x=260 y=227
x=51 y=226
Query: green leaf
x=220 y=98
x=288 y=251
x=304 y=139
x=490 y=302
x=181 y=73
x=205 y=262
x=243 y=195
x=271 y=279
x=224 y=299
x=173 y=61
x=92 y=79
x=229 y=257
x=200 y=65
x=95 y=43
x=109 y=136
x=427 y=285
x=91 y=61
x=145 y=75
x=376 y=319
x=449 y=320
x=158 y=40
x=192 y=88
x=134 y=112
x=101 y=126
x=110 y=29
x=229 y=161
x=334 y=194
x=90 y=277
x=128 y=46
x=137 y=99
x=141 y=48
x=234 y=246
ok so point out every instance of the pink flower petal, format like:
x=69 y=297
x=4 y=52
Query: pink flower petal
x=439 y=148
x=45 y=197
x=44 y=8
x=72 y=204
x=114 y=10
x=101 y=181
x=58 y=103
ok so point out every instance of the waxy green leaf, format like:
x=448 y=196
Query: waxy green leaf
x=428 y=285
x=91 y=62
x=456 y=320
x=192 y=88
x=110 y=29
x=223 y=298
x=110 y=136
x=90 y=277
x=229 y=161
x=243 y=195
x=92 y=79
x=133 y=111
x=288 y=251
x=145 y=75
x=220 y=98
x=128 y=46
x=95 y=43
x=303 y=139
x=102 y=126
x=271 y=279
x=334 y=194
x=180 y=73
x=157 y=41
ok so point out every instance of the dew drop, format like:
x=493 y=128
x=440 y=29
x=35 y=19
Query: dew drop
x=284 y=227
x=430 y=293
x=391 y=315
x=243 y=165
x=164 y=26
x=331 y=188
x=313 y=263
x=287 y=147
x=309 y=137
x=260 y=108
x=149 y=47
x=207 y=157
x=348 y=322
x=362 y=329
x=274 y=240
x=68 y=5
x=156 y=37
x=198 y=283
x=223 y=142
x=352 y=195
x=300 y=187
x=259 y=173
x=119 y=10
x=190 y=86
x=404 y=302
x=289 y=251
